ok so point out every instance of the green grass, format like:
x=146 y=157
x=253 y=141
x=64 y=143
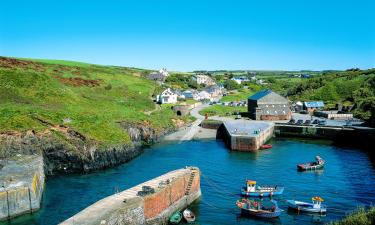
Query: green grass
x=42 y=91
x=359 y=217
x=242 y=94
x=221 y=110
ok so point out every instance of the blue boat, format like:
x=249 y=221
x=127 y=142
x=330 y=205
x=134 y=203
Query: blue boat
x=253 y=208
x=252 y=190
x=314 y=207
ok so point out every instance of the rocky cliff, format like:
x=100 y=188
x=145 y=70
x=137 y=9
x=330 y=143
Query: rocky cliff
x=67 y=151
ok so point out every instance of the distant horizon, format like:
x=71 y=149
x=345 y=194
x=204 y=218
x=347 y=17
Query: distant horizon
x=208 y=70
x=194 y=35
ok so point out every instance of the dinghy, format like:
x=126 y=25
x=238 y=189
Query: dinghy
x=265 y=146
x=314 y=207
x=253 y=190
x=175 y=218
x=318 y=164
x=189 y=215
x=253 y=208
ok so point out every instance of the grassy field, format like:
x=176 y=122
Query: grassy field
x=38 y=94
x=239 y=95
x=221 y=110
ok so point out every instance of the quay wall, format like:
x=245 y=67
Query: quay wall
x=174 y=191
x=245 y=141
x=25 y=195
x=344 y=136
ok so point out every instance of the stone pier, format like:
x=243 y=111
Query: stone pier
x=245 y=135
x=172 y=192
x=22 y=184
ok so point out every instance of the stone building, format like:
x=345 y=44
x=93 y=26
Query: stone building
x=268 y=105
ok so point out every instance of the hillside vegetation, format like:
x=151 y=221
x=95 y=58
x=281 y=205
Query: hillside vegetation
x=352 y=87
x=92 y=100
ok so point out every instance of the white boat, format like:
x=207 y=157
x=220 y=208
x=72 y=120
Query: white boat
x=188 y=215
x=315 y=207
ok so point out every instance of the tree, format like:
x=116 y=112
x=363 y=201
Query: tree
x=231 y=85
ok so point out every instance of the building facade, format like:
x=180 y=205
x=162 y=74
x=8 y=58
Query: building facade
x=268 y=105
x=204 y=79
x=167 y=96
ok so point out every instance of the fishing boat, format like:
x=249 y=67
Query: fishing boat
x=253 y=190
x=318 y=164
x=315 y=207
x=175 y=218
x=253 y=208
x=268 y=146
x=189 y=215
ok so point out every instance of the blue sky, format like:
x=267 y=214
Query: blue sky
x=190 y=35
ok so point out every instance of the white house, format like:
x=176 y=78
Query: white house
x=191 y=94
x=239 y=80
x=204 y=79
x=204 y=95
x=167 y=96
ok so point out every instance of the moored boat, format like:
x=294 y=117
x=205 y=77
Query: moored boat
x=175 y=218
x=253 y=190
x=267 y=146
x=253 y=208
x=314 y=207
x=318 y=164
x=189 y=215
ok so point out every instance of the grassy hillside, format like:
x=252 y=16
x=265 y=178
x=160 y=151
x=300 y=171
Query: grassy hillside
x=92 y=99
x=360 y=217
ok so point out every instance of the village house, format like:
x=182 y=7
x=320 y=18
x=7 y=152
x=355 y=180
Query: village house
x=215 y=92
x=204 y=95
x=191 y=94
x=313 y=106
x=268 y=105
x=159 y=76
x=240 y=80
x=204 y=79
x=167 y=97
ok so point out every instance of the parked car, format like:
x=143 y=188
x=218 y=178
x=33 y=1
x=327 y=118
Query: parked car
x=291 y=121
x=299 y=122
x=316 y=121
x=322 y=122
x=307 y=122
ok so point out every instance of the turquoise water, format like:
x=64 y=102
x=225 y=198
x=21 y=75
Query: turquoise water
x=346 y=182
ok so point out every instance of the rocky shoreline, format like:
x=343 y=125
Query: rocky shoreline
x=60 y=151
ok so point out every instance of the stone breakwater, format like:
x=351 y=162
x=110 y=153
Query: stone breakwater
x=22 y=180
x=172 y=192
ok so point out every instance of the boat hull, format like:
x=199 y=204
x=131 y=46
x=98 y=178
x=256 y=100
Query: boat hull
x=305 y=207
x=260 y=213
x=277 y=191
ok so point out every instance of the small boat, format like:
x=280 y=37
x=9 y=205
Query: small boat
x=253 y=208
x=175 y=218
x=253 y=190
x=189 y=215
x=268 y=146
x=315 y=207
x=318 y=164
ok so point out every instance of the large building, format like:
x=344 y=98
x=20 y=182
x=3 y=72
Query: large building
x=268 y=105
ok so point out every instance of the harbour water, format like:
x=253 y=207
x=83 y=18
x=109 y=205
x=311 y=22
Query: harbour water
x=345 y=183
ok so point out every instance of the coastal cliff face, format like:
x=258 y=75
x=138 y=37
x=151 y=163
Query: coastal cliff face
x=67 y=151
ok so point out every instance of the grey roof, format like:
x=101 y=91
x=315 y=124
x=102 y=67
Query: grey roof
x=260 y=94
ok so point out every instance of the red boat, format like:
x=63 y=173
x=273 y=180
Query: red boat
x=265 y=146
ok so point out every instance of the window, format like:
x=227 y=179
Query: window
x=268 y=112
x=273 y=106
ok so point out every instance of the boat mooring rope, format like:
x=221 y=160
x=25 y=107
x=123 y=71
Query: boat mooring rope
x=217 y=188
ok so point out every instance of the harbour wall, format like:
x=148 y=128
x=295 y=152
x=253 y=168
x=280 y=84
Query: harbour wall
x=344 y=136
x=239 y=135
x=21 y=192
x=173 y=192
